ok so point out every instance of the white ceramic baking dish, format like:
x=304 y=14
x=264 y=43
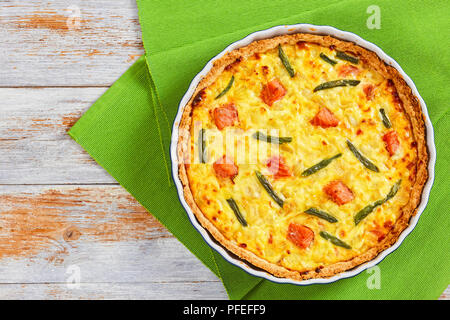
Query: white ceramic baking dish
x=269 y=33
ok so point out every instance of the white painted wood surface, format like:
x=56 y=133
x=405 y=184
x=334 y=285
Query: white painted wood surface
x=35 y=148
x=38 y=48
x=59 y=211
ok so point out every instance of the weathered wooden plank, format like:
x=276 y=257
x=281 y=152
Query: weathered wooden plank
x=60 y=43
x=102 y=230
x=34 y=145
x=140 y=290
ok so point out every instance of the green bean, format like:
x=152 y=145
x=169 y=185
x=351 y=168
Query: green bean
x=322 y=164
x=364 y=212
x=285 y=60
x=385 y=119
x=326 y=59
x=202 y=145
x=271 y=139
x=321 y=214
x=233 y=205
x=228 y=87
x=393 y=191
x=337 y=83
x=334 y=240
x=343 y=56
x=268 y=187
x=366 y=162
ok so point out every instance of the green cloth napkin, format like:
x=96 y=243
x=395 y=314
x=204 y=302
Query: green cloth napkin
x=127 y=131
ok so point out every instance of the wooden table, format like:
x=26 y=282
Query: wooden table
x=62 y=217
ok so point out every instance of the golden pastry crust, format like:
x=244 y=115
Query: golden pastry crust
x=411 y=108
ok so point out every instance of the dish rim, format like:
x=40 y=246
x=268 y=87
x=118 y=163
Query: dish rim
x=319 y=30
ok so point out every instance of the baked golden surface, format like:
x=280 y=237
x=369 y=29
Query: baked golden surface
x=309 y=222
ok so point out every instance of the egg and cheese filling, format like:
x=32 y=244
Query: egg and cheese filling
x=318 y=124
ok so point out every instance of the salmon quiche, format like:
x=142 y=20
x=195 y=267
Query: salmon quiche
x=304 y=155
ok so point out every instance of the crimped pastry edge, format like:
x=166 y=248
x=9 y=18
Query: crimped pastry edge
x=411 y=107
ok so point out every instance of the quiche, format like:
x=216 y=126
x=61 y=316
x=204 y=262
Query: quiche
x=304 y=155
